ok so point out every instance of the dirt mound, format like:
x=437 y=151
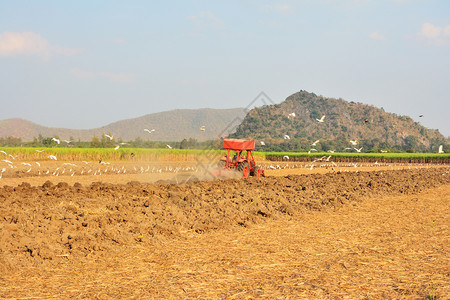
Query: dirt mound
x=41 y=224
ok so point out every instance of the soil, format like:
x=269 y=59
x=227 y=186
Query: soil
x=333 y=232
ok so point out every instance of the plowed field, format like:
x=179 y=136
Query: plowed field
x=336 y=233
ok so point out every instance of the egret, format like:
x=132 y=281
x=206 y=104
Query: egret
x=315 y=143
x=354 y=143
x=149 y=131
x=262 y=143
x=52 y=157
x=40 y=151
x=203 y=128
x=441 y=150
x=3 y=152
x=168 y=146
x=358 y=150
x=291 y=115
x=117 y=147
x=56 y=140
x=286 y=137
x=286 y=157
x=321 y=119
x=109 y=136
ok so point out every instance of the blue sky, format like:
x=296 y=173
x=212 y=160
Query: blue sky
x=85 y=64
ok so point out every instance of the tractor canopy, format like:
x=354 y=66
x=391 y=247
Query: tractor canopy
x=236 y=144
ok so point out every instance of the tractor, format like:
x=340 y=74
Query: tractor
x=242 y=160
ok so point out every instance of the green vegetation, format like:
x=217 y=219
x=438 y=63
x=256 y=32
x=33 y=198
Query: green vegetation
x=423 y=157
x=344 y=121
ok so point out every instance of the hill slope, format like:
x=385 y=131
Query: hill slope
x=344 y=121
x=173 y=125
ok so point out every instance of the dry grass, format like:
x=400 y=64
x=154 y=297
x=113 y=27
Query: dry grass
x=393 y=247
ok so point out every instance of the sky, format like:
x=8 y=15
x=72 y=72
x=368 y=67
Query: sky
x=85 y=64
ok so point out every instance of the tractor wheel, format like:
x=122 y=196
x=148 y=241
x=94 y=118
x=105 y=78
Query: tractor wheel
x=256 y=172
x=244 y=168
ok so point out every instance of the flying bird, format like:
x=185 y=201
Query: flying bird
x=109 y=136
x=366 y=120
x=117 y=147
x=354 y=143
x=40 y=151
x=421 y=116
x=358 y=150
x=203 y=128
x=291 y=115
x=168 y=146
x=68 y=142
x=286 y=137
x=321 y=119
x=383 y=151
x=315 y=143
x=3 y=152
x=262 y=143
x=148 y=130
x=286 y=157
x=56 y=140
x=7 y=161
x=52 y=157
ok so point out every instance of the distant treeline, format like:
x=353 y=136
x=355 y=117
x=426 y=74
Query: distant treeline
x=293 y=145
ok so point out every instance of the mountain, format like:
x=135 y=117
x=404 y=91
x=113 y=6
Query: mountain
x=344 y=121
x=173 y=125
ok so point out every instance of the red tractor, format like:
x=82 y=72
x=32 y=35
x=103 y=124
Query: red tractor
x=240 y=161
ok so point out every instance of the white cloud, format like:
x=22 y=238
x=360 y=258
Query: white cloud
x=118 y=41
x=114 y=77
x=281 y=8
x=377 y=36
x=30 y=43
x=206 y=19
x=435 y=35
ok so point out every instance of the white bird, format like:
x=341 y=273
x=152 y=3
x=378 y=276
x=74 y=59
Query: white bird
x=40 y=151
x=123 y=143
x=149 y=131
x=292 y=115
x=313 y=149
x=38 y=164
x=52 y=157
x=354 y=143
x=286 y=157
x=347 y=149
x=441 y=150
x=109 y=136
x=12 y=156
x=7 y=161
x=315 y=143
x=321 y=119
x=3 y=152
x=383 y=151
x=358 y=150
x=168 y=146
x=117 y=147
x=331 y=151
x=262 y=143
x=68 y=142
x=26 y=164
x=56 y=140
x=203 y=128
x=286 y=137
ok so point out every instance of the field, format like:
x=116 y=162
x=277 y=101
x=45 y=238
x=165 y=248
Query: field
x=319 y=228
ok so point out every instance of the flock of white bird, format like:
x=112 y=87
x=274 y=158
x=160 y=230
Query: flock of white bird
x=321 y=120
x=89 y=168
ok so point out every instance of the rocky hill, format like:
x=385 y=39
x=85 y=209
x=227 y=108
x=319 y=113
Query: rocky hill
x=173 y=125
x=298 y=117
